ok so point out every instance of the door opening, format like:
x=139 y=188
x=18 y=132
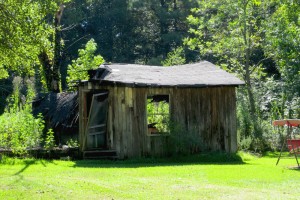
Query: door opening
x=97 y=121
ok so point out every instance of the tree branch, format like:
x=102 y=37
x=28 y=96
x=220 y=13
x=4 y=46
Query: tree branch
x=77 y=41
x=69 y=27
x=257 y=64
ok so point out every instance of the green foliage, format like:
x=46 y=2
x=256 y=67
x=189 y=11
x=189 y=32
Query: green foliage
x=128 y=31
x=24 y=32
x=72 y=143
x=86 y=60
x=49 y=140
x=17 y=135
x=258 y=41
x=230 y=33
x=283 y=44
x=155 y=61
x=6 y=160
x=244 y=143
x=184 y=142
x=19 y=129
x=175 y=57
x=158 y=113
x=273 y=104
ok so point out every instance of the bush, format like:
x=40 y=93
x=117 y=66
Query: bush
x=19 y=129
x=274 y=101
x=183 y=141
x=72 y=143
x=49 y=140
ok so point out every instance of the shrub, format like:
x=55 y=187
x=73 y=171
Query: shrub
x=183 y=141
x=49 y=140
x=19 y=129
x=72 y=143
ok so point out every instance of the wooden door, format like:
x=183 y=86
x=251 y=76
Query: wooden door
x=97 y=121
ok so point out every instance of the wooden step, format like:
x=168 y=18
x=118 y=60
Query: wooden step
x=100 y=154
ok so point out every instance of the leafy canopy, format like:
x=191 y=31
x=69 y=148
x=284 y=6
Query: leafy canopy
x=283 y=44
x=86 y=60
x=23 y=32
x=175 y=57
x=229 y=32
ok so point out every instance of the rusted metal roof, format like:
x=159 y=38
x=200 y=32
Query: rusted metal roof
x=201 y=74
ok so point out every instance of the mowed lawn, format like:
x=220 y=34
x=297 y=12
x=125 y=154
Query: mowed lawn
x=207 y=176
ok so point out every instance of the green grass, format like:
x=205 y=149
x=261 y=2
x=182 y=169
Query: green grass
x=209 y=176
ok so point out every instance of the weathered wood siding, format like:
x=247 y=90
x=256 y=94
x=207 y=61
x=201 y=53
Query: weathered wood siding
x=209 y=112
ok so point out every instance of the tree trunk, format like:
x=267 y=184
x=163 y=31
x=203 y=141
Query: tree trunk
x=249 y=85
x=164 y=47
x=46 y=64
x=175 y=18
x=55 y=82
x=247 y=38
x=51 y=68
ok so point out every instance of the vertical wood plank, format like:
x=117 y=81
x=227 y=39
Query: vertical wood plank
x=110 y=131
x=81 y=118
x=233 y=121
x=128 y=120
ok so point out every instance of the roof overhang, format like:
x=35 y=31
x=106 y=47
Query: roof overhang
x=198 y=75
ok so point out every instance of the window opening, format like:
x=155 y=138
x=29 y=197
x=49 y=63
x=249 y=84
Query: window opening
x=158 y=114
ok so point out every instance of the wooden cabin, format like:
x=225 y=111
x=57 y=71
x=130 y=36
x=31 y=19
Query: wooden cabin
x=138 y=110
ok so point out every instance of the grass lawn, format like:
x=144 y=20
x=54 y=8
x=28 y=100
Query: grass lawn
x=210 y=176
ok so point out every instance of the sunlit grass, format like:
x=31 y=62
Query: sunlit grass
x=208 y=176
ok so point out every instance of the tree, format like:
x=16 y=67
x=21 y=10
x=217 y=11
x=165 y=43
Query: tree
x=109 y=22
x=127 y=31
x=86 y=60
x=161 y=26
x=29 y=37
x=231 y=33
x=175 y=57
x=51 y=59
x=283 y=44
x=23 y=32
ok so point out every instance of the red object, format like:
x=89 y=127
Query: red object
x=288 y=122
x=294 y=144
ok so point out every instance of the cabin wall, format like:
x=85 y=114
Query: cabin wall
x=209 y=112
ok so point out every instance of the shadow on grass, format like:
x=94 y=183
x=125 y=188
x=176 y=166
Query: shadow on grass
x=27 y=164
x=275 y=154
x=295 y=168
x=200 y=159
x=30 y=162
